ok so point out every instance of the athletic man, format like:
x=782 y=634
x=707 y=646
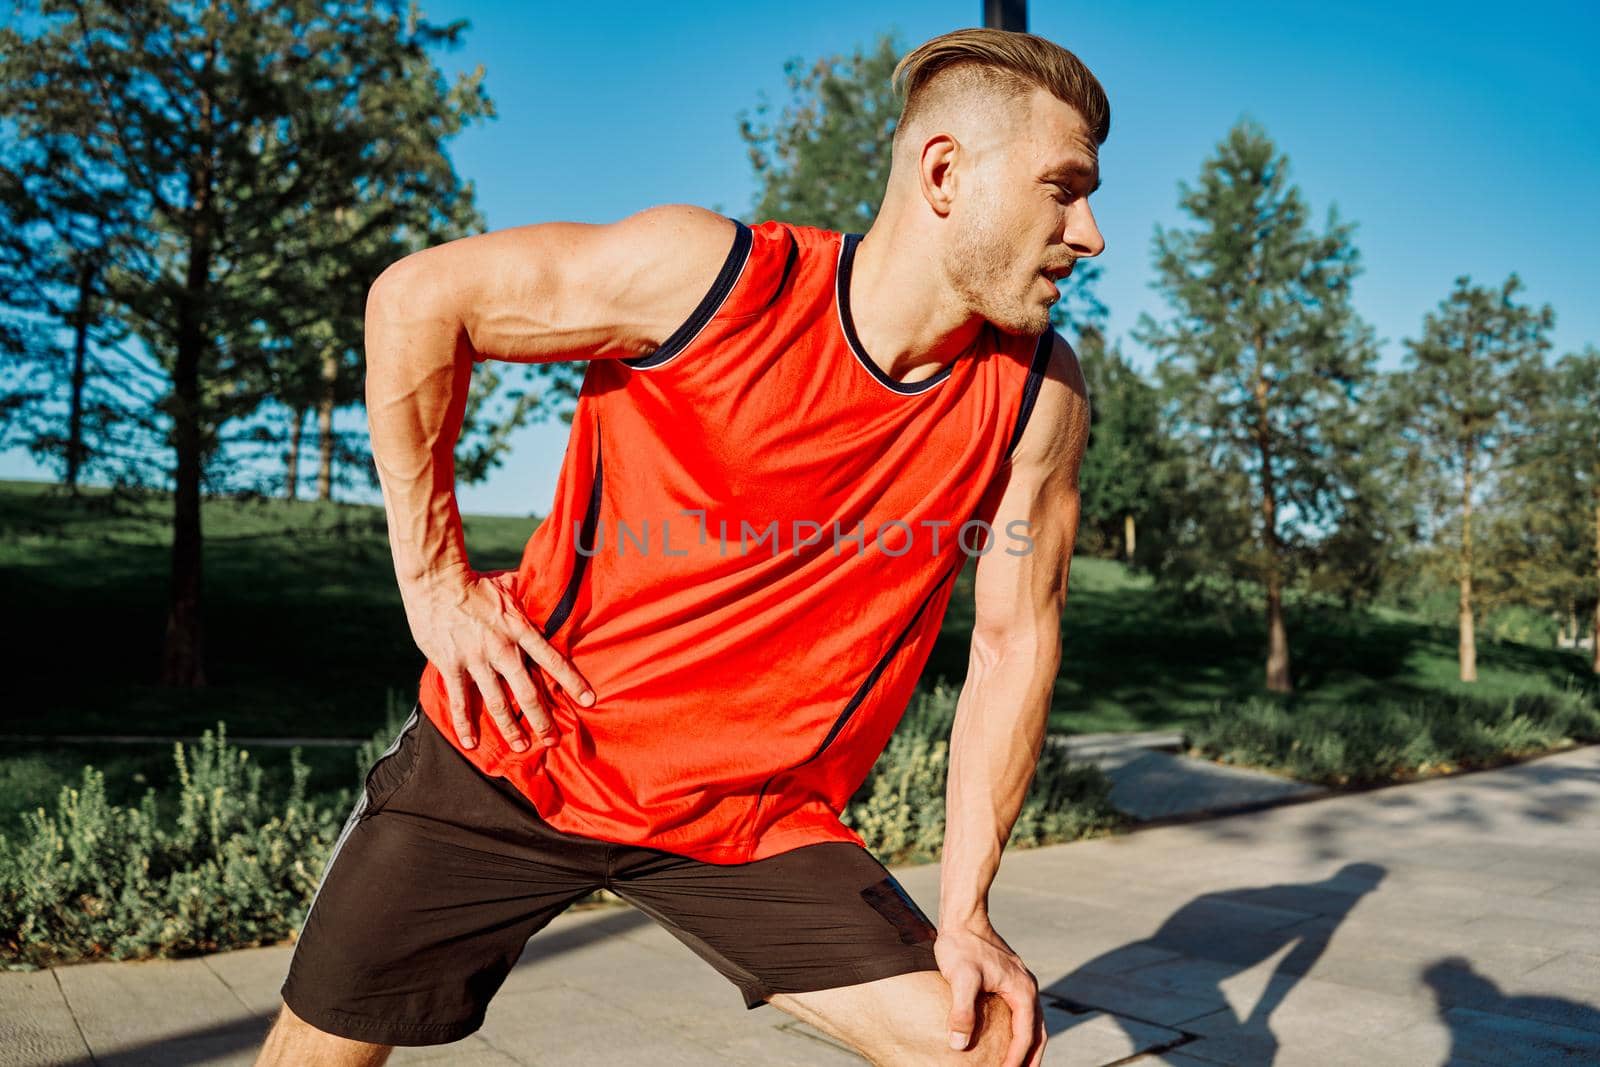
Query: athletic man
x=787 y=443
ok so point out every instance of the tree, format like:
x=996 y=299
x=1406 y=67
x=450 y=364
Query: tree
x=51 y=268
x=1260 y=370
x=1463 y=403
x=823 y=159
x=1122 y=468
x=227 y=130
x=1548 y=539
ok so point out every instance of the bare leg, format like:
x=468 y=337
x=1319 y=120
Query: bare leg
x=901 y=1021
x=294 y=1042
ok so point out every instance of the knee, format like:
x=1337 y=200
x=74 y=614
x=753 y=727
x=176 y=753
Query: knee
x=293 y=1042
x=993 y=1037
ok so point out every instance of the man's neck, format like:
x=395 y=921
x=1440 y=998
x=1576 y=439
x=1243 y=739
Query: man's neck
x=908 y=320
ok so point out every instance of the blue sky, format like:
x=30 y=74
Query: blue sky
x=1462 y=138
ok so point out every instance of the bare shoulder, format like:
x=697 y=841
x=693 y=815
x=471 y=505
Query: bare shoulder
x=674 y=243
x=1057 y=432
x=570 y=290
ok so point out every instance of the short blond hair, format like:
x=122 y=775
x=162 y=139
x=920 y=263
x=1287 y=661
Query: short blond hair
x=1006 y=63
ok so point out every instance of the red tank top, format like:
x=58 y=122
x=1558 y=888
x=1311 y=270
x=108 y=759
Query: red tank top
x=754 y=538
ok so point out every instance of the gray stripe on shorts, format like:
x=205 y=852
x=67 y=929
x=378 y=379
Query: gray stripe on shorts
x=355 y=815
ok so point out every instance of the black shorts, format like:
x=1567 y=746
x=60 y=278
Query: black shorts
x=442 y=873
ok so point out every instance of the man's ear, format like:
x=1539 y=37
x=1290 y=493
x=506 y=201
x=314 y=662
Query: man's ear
x=936 y=172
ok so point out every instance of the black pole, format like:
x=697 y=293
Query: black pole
x=1006 y=15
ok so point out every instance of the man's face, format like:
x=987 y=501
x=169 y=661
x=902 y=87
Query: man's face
x=1025 y=218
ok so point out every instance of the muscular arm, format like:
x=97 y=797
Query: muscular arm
x=531 y=294
x=1019 y=596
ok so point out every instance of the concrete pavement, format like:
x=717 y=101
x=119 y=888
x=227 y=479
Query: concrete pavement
x=1152 y=779
x=1450 y=921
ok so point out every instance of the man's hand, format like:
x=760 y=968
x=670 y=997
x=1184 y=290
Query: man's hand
x=471 y=627
x=975 y=960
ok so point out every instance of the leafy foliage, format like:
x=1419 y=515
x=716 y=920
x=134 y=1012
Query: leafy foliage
x=231 y=868
x=823 y=158
x=1392 y=741
x=1465 y=404
x=900 y=809
x=1261 y=368
x=1126 y=463
x=1547 y=538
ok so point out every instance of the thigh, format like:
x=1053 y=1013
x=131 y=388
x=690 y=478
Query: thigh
x=902 y=1020
x=437 y=881
x=812 y=918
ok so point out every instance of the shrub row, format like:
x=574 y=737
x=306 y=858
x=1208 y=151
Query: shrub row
x=1389 y=742
x=900 y=810
x=232 y=868
x=237 y=866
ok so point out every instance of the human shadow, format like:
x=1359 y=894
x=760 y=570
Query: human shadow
x=1174 y=978
x=1488 y=1025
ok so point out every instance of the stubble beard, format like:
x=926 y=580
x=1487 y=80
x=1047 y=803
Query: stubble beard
x=979 y=262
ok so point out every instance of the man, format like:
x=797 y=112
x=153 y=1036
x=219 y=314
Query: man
x=787 y=444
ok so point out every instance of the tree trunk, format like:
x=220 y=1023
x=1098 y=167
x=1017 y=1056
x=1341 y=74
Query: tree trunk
x=1128 y=536
x=80 y=355
x=1279 y=677
x=330 y=374
x=1467 y=644
x=292 y=474
x=183 y=656
x=182 y=662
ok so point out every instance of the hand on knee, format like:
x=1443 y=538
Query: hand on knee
x=991 y=1036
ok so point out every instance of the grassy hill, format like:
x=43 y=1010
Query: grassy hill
x=306 y=637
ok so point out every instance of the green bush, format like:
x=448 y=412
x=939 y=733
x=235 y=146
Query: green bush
x=235 y=867
x=900 y=809
x=1392 y=741
x=96 y=880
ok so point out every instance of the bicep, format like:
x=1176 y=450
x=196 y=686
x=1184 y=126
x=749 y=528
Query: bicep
x=1020 y=584
x=566 y=291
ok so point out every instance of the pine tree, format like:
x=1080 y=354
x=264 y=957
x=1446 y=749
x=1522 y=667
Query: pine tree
x=1548 y=541
x=1260 y=366
x=1467 y=396
x=1120 y=479
x=231 y=131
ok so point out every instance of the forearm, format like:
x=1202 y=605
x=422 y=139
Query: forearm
x=419 y=367
x=1000 y=723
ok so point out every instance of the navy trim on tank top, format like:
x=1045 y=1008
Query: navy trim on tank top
x=726 y=279
x=847 y=254
x=1030 y=390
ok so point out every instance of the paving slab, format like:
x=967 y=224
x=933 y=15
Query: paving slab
x=1093 y=1038
x=36 y=1026
x=1157 y=785
x=1494 y=1037
x=160 y=1013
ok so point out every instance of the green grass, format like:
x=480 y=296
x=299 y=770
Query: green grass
x=304 y=629
x=1132 y=661
x=305 y=636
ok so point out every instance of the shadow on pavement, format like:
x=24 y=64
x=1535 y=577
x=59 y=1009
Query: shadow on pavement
x=1174 y=977
x=1489 y=1026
